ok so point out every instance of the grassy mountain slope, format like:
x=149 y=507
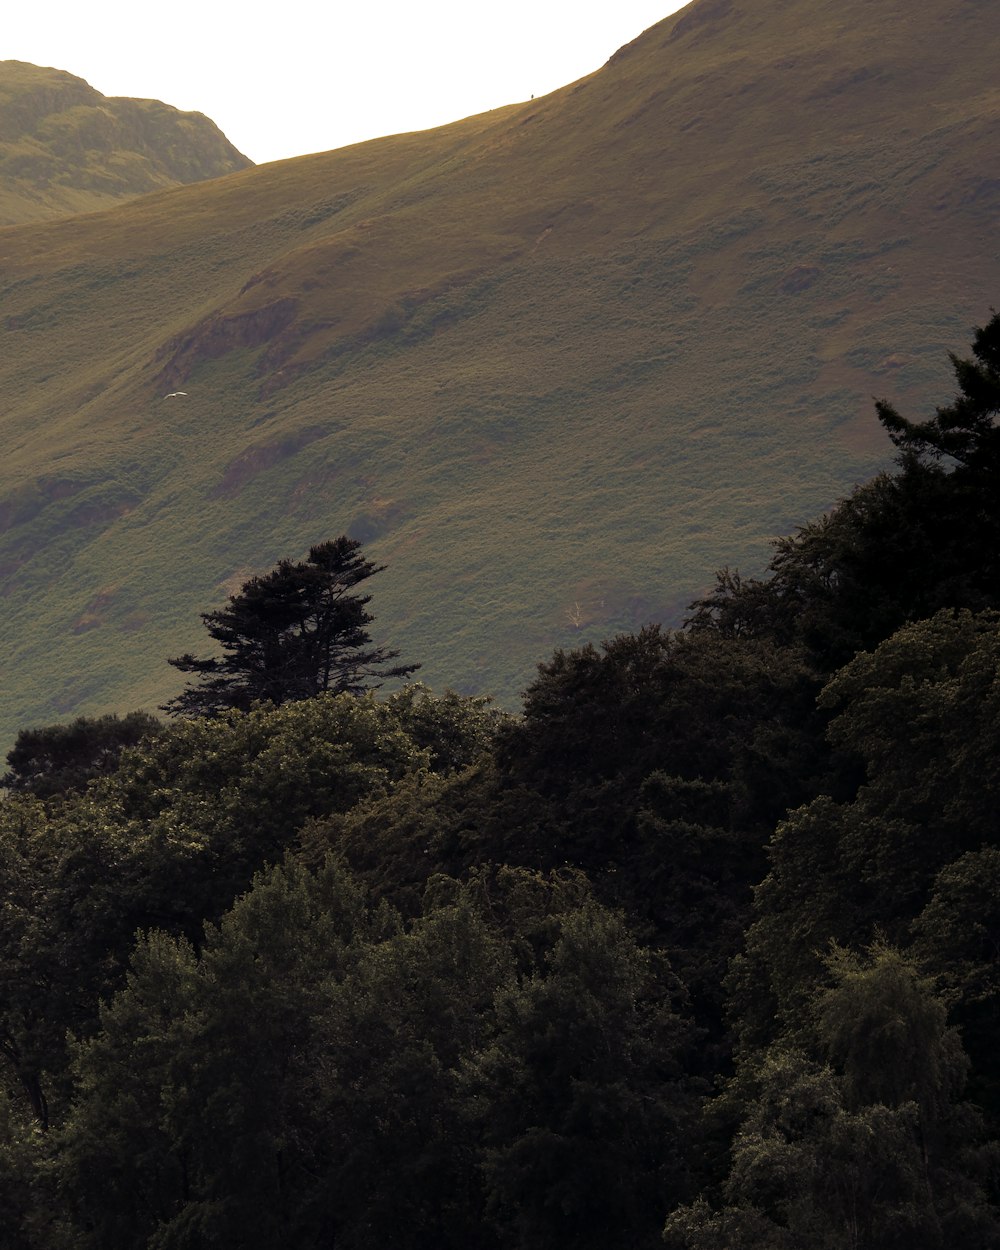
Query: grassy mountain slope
x=65 y=148
x=554 y=363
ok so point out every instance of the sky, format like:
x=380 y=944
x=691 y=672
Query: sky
x=285 y=79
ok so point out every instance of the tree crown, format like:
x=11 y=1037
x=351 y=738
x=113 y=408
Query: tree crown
x=293 y=633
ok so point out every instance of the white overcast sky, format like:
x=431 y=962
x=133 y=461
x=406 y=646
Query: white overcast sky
x=286 y=79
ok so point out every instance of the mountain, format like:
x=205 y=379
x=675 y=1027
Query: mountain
x=553 y=364
x=65 y=148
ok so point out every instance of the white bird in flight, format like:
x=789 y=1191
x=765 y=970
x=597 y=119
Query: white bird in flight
x=174 y=393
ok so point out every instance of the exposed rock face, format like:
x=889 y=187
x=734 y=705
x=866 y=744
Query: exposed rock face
x=65 y=147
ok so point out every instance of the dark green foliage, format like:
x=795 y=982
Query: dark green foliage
x=965 y=430
x=65 y=921
x=62 y=759
x=659 y=765
x=243 y=784
x=191 y=1144
x=597 y=724
x=397 y=841
x=850 y=1078
x=168 y=840
x=382 y=1108
x=856 y=1139
x=294 y=633
x=921 y=712
x=581 y=1097
x=322 y=1074
x=957 y=937
x=898 y=548
x=692 y=867
x=454 y=730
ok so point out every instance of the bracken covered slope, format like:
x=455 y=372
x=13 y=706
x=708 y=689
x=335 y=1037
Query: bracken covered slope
x=554 y=364
x=65 y=148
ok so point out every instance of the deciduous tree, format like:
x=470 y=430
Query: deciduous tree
x=62 y=759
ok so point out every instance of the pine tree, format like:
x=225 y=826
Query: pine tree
x=964 y=431
x=294 y=633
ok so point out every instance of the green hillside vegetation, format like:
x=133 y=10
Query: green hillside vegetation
x=65 y=148
x=552 y=364
x=698 y=951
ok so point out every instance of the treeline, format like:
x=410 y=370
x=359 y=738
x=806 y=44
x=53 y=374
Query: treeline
x=702 y=948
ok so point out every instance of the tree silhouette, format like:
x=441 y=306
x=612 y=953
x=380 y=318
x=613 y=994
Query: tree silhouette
x=294 y=633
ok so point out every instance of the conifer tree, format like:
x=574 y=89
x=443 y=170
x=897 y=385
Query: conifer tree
x=899 y=547
x=964 y=431
x=294 y=633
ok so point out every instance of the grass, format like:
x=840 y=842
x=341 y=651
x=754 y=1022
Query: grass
x=555 y=364
x=65 y=148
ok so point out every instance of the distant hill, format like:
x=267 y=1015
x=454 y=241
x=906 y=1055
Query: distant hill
x=65 y=148
x=554 y=364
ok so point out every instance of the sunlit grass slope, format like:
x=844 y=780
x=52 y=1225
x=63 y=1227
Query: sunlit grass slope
x=554 y=364
x=65 y=148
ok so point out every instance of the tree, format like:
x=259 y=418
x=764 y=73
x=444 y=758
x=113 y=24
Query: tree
x=854 y=1137
x=62 y=759
x=180 y=1134
x=292 y=634
x=958 y=941
x=167 y=840
x=965 y=430
x=597 y=724
x=381 y=1109
x=920 y=714
x=580 y=1099
x=899 y=547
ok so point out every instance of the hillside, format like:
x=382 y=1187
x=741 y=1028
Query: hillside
x=65 y=148
x=554 y=364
